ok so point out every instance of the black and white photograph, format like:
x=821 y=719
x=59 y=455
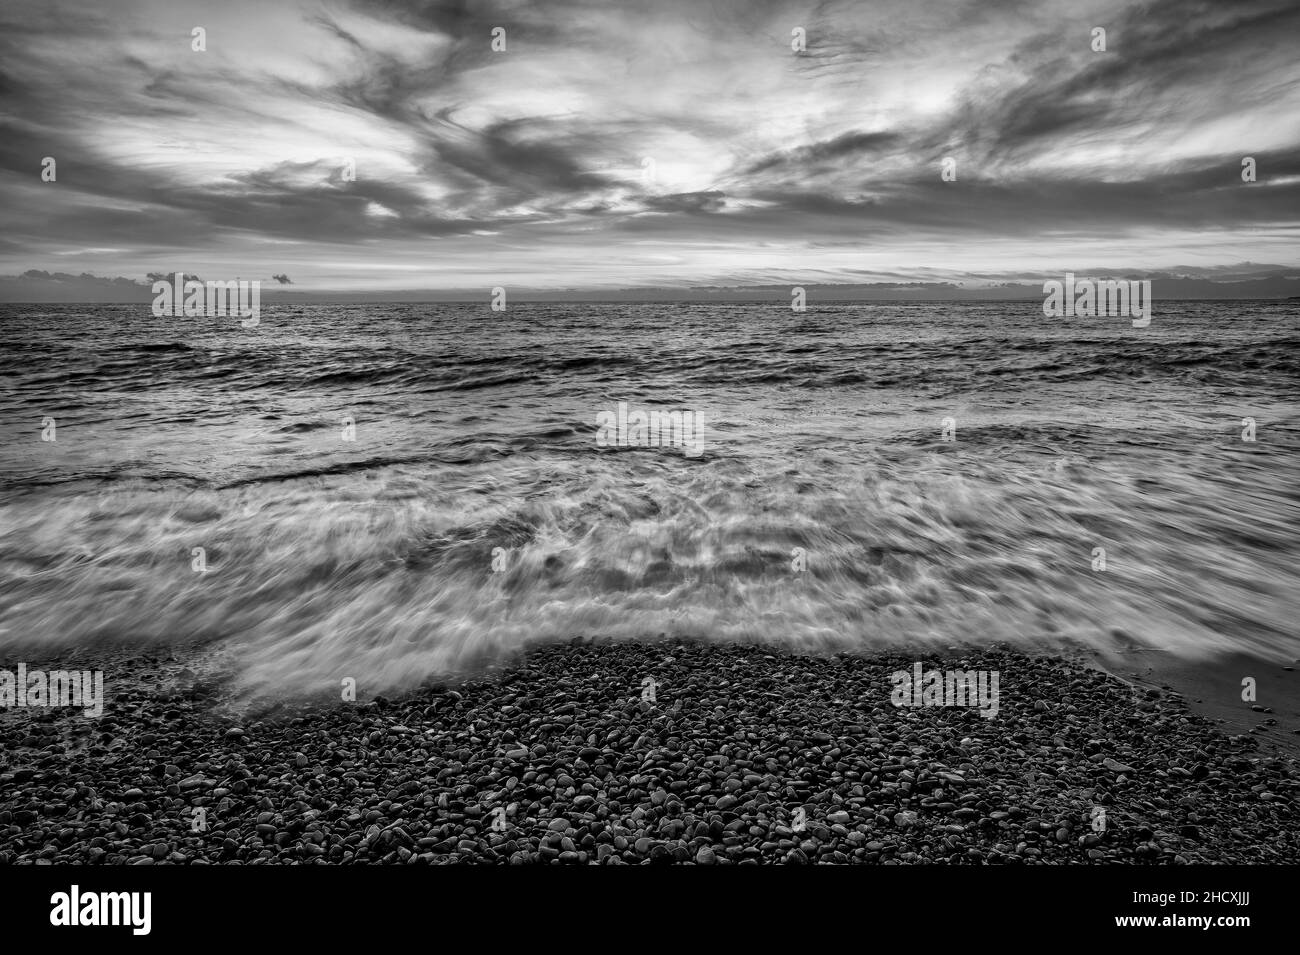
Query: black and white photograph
x=649 y=432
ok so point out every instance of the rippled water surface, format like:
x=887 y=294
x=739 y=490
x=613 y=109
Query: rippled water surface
x=475 y=441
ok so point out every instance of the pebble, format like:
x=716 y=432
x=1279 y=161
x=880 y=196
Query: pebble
x=713 y=774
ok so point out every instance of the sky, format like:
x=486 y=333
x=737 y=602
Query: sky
x=388 y=145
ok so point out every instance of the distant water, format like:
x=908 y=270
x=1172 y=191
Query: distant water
x=476 y=430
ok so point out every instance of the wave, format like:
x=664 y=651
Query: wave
x=404 y=572
x=474 y=513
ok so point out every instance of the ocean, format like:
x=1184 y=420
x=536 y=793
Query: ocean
x=397 y=492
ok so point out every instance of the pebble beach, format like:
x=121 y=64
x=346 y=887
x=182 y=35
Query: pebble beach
x=629 y=753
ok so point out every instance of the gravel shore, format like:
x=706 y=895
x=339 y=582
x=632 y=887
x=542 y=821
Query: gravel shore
x=745 y=755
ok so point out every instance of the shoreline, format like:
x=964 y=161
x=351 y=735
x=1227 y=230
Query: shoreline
x=557 y=758
x=1213 y=689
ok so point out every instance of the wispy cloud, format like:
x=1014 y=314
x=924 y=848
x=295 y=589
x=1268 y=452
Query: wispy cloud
x=388 y=144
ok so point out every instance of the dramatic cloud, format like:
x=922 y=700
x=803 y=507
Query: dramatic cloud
x=658 y=142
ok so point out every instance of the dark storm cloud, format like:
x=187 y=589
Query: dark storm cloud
x=1168 y=62
x=711 y=201
x=520 y=159
x=852 y=144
